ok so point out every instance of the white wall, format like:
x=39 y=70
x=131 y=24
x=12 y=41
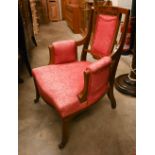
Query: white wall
x=125 y=3
x=115 y=2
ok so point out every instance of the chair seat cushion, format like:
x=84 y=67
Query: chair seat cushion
x=60 y=84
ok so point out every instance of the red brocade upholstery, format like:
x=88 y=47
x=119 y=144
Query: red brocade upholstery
x=63 y=51
x=105 y=30
x=60 y=85
x=99 y=74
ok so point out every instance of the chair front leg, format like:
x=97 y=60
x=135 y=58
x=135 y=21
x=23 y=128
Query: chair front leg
x=36 y=100
x=65 y=126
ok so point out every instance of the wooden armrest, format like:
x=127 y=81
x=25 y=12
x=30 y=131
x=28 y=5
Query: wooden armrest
x=84 y=93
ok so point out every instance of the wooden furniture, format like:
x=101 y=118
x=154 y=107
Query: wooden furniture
x=42 y=11
x=83 y=17
x=63 y=5
x=84 y=12
x=71 y=13
x=53 y=10
x=99 y=2
x=75 y=13
x=72 y=86
x=34 y=16
x=26 y=38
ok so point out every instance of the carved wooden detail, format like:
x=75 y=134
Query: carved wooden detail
x=42 y=10
x=53 y=10
x=34 y=16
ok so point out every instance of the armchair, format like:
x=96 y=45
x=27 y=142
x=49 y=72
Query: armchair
x=72 y=86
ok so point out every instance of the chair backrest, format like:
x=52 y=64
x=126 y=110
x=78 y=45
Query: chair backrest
x=106 y=29
x=103 y=30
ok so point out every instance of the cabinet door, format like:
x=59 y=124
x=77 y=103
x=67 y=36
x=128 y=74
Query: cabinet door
x=82 y=22
x=53 y=8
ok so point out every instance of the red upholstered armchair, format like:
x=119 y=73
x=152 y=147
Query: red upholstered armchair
x=72 y=86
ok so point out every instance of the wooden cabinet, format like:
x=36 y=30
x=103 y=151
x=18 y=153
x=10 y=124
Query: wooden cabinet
x=25 y=28
x=53 y=10
x=48 y=10
x=63 y=5
x=34 y=17
x=83 y=17
x=73 y=13
x=42 y=11
x=72 y=17
x=26 y=38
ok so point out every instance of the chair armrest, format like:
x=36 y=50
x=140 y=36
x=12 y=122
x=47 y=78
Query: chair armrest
x=95 y=79
x=63 y=52
x=99 y=64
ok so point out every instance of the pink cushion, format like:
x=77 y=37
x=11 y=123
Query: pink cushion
x=64 y=51
x=60 y=84
x=100 y=64
x=99 y=75
x=104 y=35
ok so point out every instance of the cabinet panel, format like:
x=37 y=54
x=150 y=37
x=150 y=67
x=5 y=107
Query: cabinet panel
x=53 y=9
x=42 y=9
x=73 y=13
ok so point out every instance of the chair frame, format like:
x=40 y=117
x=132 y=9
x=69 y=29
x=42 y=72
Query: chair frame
x=85 y=41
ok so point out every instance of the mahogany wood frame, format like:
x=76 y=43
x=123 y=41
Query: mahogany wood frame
x=85 y=42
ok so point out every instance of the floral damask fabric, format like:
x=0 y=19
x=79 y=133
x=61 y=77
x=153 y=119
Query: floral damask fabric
x=105 y=30
x=60 y=84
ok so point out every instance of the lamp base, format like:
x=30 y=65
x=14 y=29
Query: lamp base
x=125 y=85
